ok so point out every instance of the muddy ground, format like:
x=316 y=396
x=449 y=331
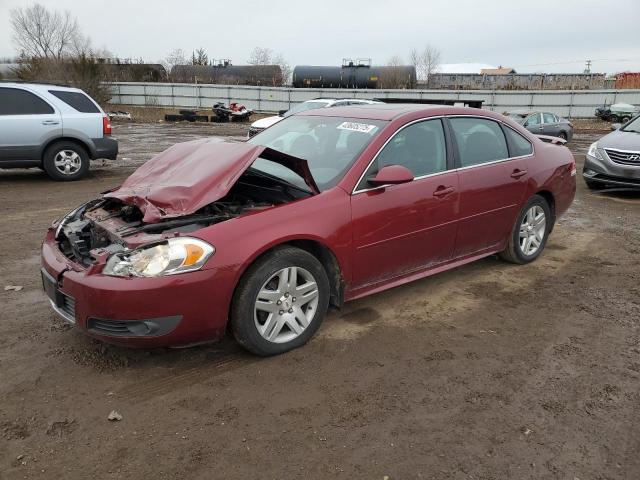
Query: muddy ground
x=490 y=371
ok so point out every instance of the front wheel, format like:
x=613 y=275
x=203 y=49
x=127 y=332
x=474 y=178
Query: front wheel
x=280 y=302
x=530 y=232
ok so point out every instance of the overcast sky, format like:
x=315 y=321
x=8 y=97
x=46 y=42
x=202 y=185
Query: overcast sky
x=531 y=36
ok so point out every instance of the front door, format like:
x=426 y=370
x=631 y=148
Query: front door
x=26 y=123
x=403 y=228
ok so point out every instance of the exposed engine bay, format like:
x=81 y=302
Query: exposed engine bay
x=113 y=226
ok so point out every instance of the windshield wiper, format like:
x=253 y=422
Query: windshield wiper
x=260 y=173
x=633 y=131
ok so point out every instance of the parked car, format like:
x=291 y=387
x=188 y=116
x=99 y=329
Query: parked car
x=544 y=123
x=615 y=158
x=58 y=129
x=259 y=125
x=325 y=206
x=618 y=112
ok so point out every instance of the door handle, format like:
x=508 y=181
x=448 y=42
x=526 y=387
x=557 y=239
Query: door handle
x=50 y=122
x=443 y=191
x=517 y=173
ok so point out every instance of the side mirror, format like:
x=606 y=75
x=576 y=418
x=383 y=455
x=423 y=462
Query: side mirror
x=282 y=112
x=615 y=126
x=391 y=175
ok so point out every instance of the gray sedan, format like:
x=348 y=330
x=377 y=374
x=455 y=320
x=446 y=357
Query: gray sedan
x=543 y=123
x=615 y=158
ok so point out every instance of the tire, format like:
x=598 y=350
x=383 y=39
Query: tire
x=591 y=185
x=264 y=326
x=65 y=161
x=515 y=253
x=563 y=136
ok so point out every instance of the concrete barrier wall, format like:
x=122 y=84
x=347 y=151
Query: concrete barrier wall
x=567 y=103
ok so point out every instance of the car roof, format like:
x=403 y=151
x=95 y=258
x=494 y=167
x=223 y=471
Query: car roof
x=391 y=111
x=39 y=86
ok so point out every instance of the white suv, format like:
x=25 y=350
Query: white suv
x=259 y=125
x=58 y=129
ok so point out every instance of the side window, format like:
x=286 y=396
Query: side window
x=420 y=147
x=76 y=100
x=519 y=145
x=533 y=119
x=479 y=140
x=549 y=118
x=14 y=101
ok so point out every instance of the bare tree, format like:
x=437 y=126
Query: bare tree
x=41 y=33
x=286 y=69
x=261 y=56
x=426 y=62
x=175 y=57
x=199 y=57
x=266 y=56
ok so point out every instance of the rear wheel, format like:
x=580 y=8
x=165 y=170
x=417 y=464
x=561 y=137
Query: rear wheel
x=530 y=232
x=65 y=161
x=563 y=135
x=280 y=302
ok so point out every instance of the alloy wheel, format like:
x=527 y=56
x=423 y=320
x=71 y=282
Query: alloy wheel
x=286 y=304
x=532 y=230
x=67 y=162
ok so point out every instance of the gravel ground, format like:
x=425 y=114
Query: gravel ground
x=489 y=371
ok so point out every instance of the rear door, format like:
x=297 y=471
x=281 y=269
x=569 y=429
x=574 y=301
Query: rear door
x=403 y=228
x=550 y=124
x=27 y=122
x=82 y=117
x=492 y=184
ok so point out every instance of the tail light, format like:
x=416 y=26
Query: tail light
x=106 y=125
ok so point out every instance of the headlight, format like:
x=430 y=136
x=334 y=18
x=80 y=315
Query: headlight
x=176 y=255
x=594 y=151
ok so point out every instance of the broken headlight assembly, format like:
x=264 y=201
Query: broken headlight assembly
x=176 y=255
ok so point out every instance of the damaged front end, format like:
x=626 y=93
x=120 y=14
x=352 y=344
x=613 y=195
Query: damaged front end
x=110 y=236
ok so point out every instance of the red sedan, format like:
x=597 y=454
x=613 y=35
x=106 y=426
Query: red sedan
x=321 y=208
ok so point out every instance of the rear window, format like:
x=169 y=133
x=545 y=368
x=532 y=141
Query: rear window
x=76 y=100
x=518 y=145
x=14 y=101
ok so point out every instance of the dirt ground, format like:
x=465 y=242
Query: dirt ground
x=489 y=371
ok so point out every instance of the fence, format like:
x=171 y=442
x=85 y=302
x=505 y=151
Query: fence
x=567 y=103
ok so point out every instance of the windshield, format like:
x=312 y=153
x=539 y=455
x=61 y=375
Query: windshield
x=632 y=126
x=330 y=145
x=301 y=107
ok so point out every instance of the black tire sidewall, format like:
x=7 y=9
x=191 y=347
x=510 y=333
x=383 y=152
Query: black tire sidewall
x=535 y=200
x=242 y=310
x=49 y=157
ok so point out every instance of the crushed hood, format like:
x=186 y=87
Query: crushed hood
x=188 y=176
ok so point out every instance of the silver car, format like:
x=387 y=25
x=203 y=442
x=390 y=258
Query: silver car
x=58 y=129
x=543 y=123
x=615 y=158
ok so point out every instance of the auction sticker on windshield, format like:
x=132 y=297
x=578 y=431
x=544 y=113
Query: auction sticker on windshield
x=356 y=127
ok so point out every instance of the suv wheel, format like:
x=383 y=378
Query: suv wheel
x=280 y=302
x=65 y=161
